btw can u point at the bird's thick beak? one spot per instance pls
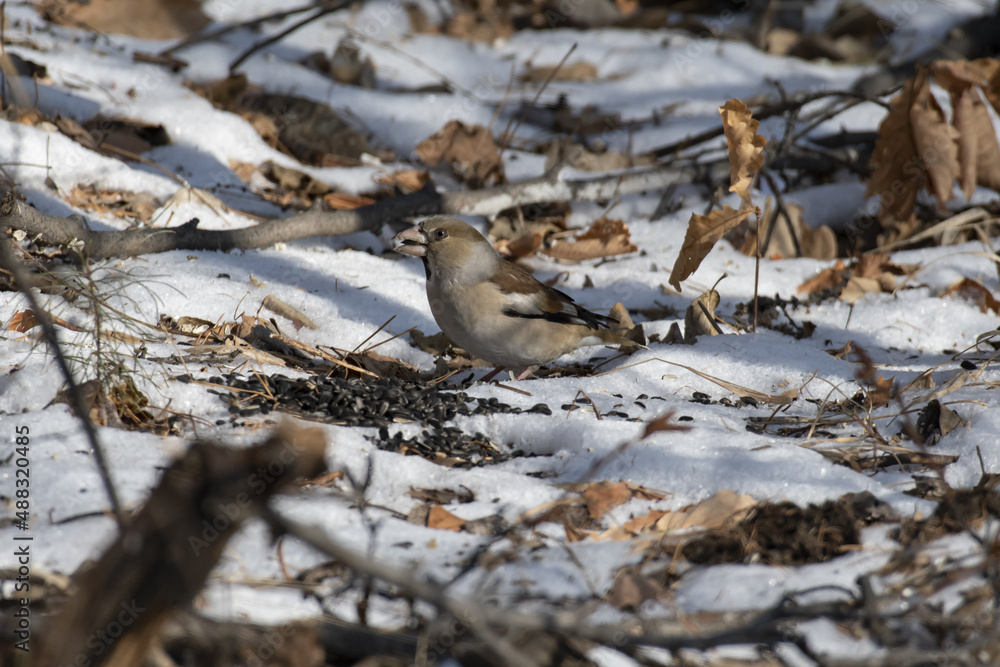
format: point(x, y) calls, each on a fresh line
point(410, 242)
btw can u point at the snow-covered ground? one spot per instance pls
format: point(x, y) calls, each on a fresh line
point(352, 285)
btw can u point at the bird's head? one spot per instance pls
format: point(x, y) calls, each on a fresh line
point(449, 247)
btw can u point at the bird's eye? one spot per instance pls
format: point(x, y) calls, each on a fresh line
point(440, 233)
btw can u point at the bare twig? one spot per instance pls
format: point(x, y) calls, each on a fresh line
point(508, 132)
point(320, 12)
point(253, 23)
point(764, 112)
point(23, 281)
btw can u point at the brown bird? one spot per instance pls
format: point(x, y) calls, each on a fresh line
point(494, 309)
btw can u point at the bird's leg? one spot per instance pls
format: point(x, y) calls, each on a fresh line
point(527, 371)
point(492, 374)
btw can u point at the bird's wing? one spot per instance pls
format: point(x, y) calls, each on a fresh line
point(526, 297)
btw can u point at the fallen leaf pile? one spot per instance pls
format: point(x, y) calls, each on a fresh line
point(469, 150)
point(138, 206)
point(309, 131)
point(921, 147)
point(293, 188)
point(867, 274)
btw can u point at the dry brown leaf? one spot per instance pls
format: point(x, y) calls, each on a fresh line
point(602, 497)
point(663, 423)
point(469, 150)
point(626, 328)
point(857, 287)
point(815, 243)
point(745, 147)
point(917, 148)
point(344, 202)
point(935, 141)
point(564, 152)
point(725, 508)
point(523, 246)
point(978, 149)
point(894, 151)
point(974, 292)
point(576, 534)
point(641, 523)
point(407, 180)
point(578, 71)
point(824, 280)
point(881, 394)
point(868, 274)
point(245, 171)
point(296, 180)
point(703, 232)
point(632, 589)
point(628, 7)
point(781, 41)
point(132, 205)
point(699, 319)
point(605, 237)
point(113, 136)
point(265, 126)
point(22, 321)
point(441, 519)
point(874, 265)
point(156, 19)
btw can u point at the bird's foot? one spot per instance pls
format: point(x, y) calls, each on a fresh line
point(492, 374)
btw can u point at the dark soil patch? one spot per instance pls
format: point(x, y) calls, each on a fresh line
point(785, 534)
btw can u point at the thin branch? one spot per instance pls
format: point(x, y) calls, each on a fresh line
point(508, 133)
point(764, 112)
point(321, 12)
point(23, 282)
point(253, 23)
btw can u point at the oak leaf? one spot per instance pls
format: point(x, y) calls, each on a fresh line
point(936, 143)
point(703, 232)
point(918, 148)
point(469, 150)
point(725, 508)
point(745, 146)
point(605, 237)
point(792, 236)
point(699, 319)
point(663, 423)
point(442, 519)
point(23, 321)
point(602, 497)
point(895, 151)
point(974, 292)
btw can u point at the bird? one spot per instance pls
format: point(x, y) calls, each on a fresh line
point(493, 308)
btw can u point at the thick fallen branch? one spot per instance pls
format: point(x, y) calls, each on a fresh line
point(15, 214)
point(163, 556)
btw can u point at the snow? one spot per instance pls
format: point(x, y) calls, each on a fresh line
point(352, 285)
